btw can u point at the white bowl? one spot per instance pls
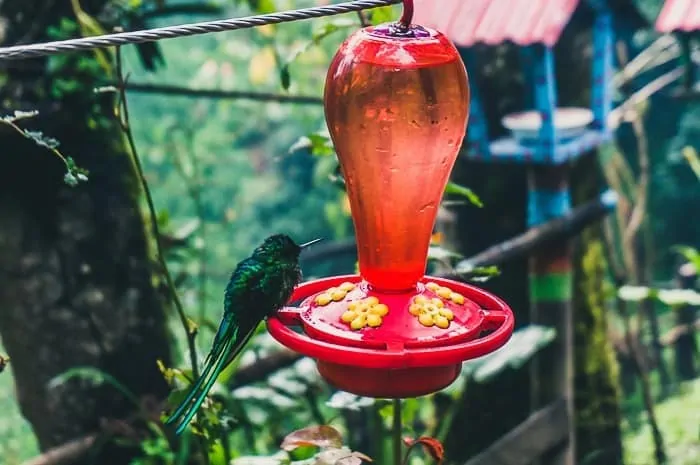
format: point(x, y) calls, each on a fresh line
point(568, 123)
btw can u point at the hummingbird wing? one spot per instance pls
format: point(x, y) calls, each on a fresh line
point(246, 290)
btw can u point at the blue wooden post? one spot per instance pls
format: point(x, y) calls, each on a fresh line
point(545, 99)
point(601, 92)
point(552, 373)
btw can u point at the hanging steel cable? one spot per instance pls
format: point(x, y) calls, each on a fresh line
point(169, 32)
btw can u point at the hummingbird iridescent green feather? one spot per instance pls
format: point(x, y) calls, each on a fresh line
point(259, 286)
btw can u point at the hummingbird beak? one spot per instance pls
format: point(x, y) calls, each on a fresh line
point(306, 244)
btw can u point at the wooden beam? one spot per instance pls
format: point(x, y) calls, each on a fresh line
point(541, 432)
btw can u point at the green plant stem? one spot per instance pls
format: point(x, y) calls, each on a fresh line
point(407, 455)
point(9, 123)
point(396, 431)
point(126, 128)
point(313, 406)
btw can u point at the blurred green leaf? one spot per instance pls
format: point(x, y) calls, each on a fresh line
point(674, 297)
point(322, 436)
point(383, 15)
point(342, 400)
point(340, 456)
point(265, 395)
point(635, 293)
point(263, 6)
point(456, 189)
point(280, 458)
point(479, 273)
point(442, 255)
point(522, 347)
point(689, 253)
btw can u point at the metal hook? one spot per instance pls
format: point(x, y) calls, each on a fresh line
point(407, 16)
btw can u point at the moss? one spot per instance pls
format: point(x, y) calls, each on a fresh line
point(597, 393)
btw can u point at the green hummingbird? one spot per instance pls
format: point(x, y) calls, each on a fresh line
point(259, 286)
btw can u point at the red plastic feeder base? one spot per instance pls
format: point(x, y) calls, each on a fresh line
point(392, 345)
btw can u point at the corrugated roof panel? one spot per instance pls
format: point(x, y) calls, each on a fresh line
point(679, 15)
point(523, 22)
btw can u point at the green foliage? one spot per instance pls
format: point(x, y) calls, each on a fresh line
point(679, 422)
point(74, 174)
point(691, 254)
point(17, 441)
point(525, 343)
point(670, 297)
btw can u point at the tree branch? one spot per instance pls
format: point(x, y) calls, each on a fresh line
point(520, 246)
point(167, 89)
point(558, 229)
point(260, 369)
point(65, 453)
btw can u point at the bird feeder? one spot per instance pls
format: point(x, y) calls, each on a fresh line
point(396, 102)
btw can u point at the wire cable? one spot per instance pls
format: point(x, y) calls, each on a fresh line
point(19, 52)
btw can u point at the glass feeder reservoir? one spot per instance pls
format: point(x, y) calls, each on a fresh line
point(396, 103)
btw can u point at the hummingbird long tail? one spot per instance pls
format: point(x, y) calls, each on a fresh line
point(225, 350)
point(182, 416)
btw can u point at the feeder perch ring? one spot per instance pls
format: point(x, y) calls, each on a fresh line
point(401, 358)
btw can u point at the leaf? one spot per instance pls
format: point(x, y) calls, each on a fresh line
point(689, 253)
point(673, 297)
point(276, 459)
point(283, 381)
point(441, 254)
point(171, 374)
point(285, 77)
point(323, 436)
point(465, 192)
point(19, 115)
point(634, 293)
point(305, 369)
point(96, 377)
point(321, 145)
point(382, 15)
point(264, 395)
point(431, 445)
point(340, 456)
point(342, 400)
point(523, 345)
point(262, 6)
point(192, 326)
point(478, 273)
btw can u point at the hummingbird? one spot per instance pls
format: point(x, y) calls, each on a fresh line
point(259, 286)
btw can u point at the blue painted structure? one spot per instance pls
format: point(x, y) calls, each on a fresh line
point(538, 61)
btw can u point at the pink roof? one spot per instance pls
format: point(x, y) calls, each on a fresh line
point(523, 22)
point(679, 15)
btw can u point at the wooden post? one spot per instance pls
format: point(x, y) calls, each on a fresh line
point(686, 346)
point(550, 294)
point(601, 93)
